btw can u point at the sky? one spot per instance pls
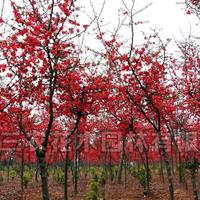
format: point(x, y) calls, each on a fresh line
point(167, 16)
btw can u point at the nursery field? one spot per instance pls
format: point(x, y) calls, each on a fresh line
point(129, 189)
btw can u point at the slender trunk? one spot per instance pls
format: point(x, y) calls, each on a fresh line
point(66, 170)
point(104, 163)
point(22, 171)
point(175, 156)
point(169, 177)
point(184, 180)
point(194, 184)
point(161, 168)
point(75, 165)
point(172, 155)
point(168, 167)
point(145, 162)
point(125, 171)
point(8, 168)
point(110, 167)
point(43, 175)
point(119, 176)
point(36, 172)
point(72, 172)
point(29, 158)
point(180, 173)
point(180, 169)
point(78, 161)
point(148, 174)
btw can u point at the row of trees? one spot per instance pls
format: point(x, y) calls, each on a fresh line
point(47, 89)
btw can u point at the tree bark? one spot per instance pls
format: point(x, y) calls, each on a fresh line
point(66, 170)
point(75, 165)
point(168, 168)
point(36, 172)
point(148, 174)
point(194, 184)
point(119, 176)
point(43, 175)
point(161, 168)
point(110, 166)
point(125, 171)
point(22, 170)
point(8, 168)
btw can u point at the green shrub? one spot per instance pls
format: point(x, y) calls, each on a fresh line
point(13, 174)
point(51, 171)
point(102, 178)
point(94, 186)
point(28, 175)
point(95, 173)
point(96, 179)
point(140, 174)
point(159, 170)
point(92, 193)
point(193, 164)
point(182, 171)
point(84, 171)
point(31, 173)
point(26, 180)
point(132, 170)
point(59, 176)
point(115, 171)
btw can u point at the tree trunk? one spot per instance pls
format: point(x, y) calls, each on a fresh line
point(176, 159)
point(29, 158)
point(72, 172)
point(36, 172)
point(75, 165)
point(161, 168)
point(43, 175)
point(8, 168)
point(22, 170)
point(180, 173)
point(125, 171)
point(110, 166)
point(145, 162)
point(148, 174)
point(66, 170)
point(168, 168)
point(104, 163)
point(172, 155)
point(194, 184)
point(119, 176)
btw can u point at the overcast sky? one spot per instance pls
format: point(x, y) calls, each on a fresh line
point(162, 14)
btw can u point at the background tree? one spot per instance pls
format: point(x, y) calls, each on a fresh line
point(35, 53)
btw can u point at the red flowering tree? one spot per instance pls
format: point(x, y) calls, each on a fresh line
point(80, 97)
point(36, 52)
point(189, 98)
point(141, 75)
